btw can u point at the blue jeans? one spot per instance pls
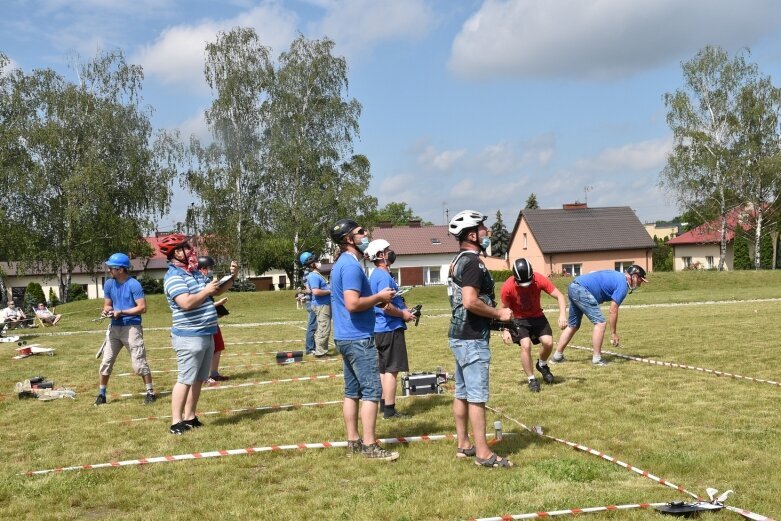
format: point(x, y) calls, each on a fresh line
point(361, 369)
point(581, 302)
point(473, 359)
point(311, 328)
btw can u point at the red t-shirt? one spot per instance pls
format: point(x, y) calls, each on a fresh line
point(525, 302)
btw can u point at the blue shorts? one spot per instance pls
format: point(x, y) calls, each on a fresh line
point(473, 358)
point(581, 302)
point(193, 357)
point(361, 369)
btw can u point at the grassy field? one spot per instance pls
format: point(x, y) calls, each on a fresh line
point(693, 429)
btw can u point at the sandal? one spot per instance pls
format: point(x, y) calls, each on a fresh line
point(493, 462)
point(466, 453)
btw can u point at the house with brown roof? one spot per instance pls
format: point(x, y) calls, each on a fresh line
point(576, 239)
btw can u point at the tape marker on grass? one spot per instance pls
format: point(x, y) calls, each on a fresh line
point(572, 512)
point(224, 355)
point(246, 384)
point(236, 452)
point(238, 343)
point(681, 366)
point(160, 371)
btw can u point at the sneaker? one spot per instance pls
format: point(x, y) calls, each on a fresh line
point(547, 376)
point(149, 398)
point(178, 428)
point(599, 362)
point(211, 382)
point(557, 360)
point(534, 385)
point(354, 447)
point(375, 452)
point(193, 424)
point(219, 378)
point(396, 415)
point(100, 400)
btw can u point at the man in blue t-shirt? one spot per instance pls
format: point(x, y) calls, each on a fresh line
point(320, 292)
point(124, 302)
point(352, 305)
point(586, 293)
point(389, 326)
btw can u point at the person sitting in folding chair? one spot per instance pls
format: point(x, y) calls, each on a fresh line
point(46, 317)
point(13, 316)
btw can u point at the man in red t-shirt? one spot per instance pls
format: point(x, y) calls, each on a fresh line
point(521, 293)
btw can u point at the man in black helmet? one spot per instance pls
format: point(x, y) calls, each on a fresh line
point(352, 308)
point(521, 293)
point(586, 293)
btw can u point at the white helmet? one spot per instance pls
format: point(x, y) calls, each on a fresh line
point(375, 247)
point(464, 221)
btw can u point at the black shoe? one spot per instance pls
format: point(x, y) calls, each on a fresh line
point(178, 428)
point(546, 374)
point(100, 400)
point(193, 424)
point(395, 415)
point(149, 398)
point(534, 385)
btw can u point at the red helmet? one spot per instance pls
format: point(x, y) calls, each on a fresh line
point(169, 243)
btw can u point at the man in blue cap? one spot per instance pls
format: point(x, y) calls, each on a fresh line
point(124, 303)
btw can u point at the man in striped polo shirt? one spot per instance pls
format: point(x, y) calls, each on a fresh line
point(189, 296)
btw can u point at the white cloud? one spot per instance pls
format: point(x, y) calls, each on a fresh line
point(177, 56)
point(356, 26)
point(604, 39)
point(632, 157)
point(10, 66)
point(432, 159)
point(195, 126)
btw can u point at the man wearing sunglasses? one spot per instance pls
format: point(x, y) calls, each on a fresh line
point(352, 307)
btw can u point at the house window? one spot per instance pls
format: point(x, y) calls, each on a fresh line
point(525, 242)
point(433, 275)
point(687, 262)
point(573, 270)
point(623, 265)
point(395, 274)
point(709, 262)
point(436, 241)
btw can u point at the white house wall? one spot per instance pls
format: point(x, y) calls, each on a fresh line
point(698, 253)
point(440, 261)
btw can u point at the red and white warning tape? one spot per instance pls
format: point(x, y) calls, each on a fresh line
point(246, 384)
point(160, 371)
point(681, 366)
point(229, 354)
point(239, 343)
point(235, 452)
point(538, 431)
point(571, 511)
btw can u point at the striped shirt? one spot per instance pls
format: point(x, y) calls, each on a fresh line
point(201, 321)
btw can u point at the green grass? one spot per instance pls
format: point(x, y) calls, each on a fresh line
point(694, 429)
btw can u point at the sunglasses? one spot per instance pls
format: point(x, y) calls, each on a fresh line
point(359, 231)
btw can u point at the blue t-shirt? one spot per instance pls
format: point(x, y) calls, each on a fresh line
point(316, 281)
point(605, 285)
point(124, 296)
point(347, 274)
point(201, 321)
point(378, 281)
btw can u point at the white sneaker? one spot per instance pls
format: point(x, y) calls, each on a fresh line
point(555, 360)
point(598, 362)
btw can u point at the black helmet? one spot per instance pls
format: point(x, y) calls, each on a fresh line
point(342, 229)
point(523, 272)
point(204, 261)
point(634, 269)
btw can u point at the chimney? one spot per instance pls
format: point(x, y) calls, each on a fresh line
point(385, 224)
point(575, 206)
point(414, 223)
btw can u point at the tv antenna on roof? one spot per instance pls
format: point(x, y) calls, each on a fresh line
point(586, 190)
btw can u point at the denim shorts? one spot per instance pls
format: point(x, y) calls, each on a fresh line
point(473, 358)
point(361, 369)
point(581, 302)
point(193, 357)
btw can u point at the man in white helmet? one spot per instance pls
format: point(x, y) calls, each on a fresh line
point(472, 299)
point(389, 326)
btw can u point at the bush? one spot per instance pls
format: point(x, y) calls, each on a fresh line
point(500, 276)
point(151, 286)
point(243, 285)
point(32, 296)
point(76, 292)
point(54, 301)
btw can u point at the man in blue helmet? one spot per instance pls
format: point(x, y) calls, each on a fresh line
point(320, 291)
point(307, 259)
point(124, 303)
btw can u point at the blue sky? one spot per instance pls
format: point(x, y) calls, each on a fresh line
point(466, 103)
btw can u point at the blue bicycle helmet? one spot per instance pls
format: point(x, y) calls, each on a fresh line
point(306, 258)
point(118, 260)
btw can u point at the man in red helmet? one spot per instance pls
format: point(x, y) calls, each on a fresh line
point(521, 293)
point(189, 296)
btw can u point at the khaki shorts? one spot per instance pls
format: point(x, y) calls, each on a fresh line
point(131, 337)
